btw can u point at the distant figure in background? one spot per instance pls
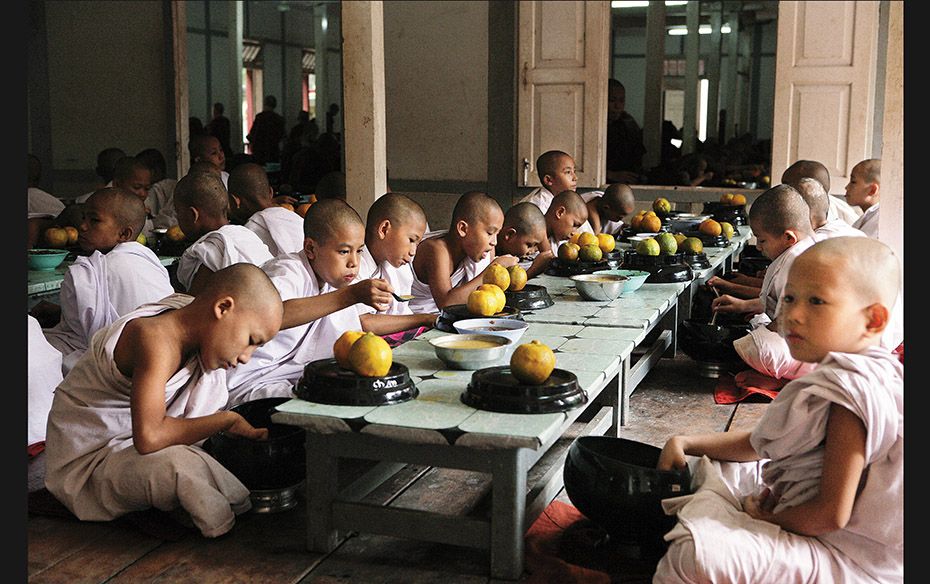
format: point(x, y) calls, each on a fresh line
point(40, 203)
point(206, 148)
point(266, 133)
point(195, 126)
point(864, 191)
point(219, 127)
point(624, 138)
point(331, 114)
point(106, 163)
point(313, 161)
point(303, 134)
point(332, 186)
point(160, 201)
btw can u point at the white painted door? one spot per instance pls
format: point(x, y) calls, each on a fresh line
point(825, 85)
point(562, 86)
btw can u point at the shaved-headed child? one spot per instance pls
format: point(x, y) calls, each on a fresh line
point(839, 208)
point(201, 205)
point(134, 175)
point(556, 172)
point(322, 300)
point(280, 228)
point(864, 191)
point(207, 148)
point(821, 495)
point(606, 211)
point(449, 266)
point(114, 276)
point(126, 425)
point(394, 229)
point(816, 197)
point(523, 232)
point(565, 216)
point(161, 194)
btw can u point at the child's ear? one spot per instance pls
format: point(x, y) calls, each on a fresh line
point(878, 318)
point(222, 306)
point(547, 180)
point(461, 227)
point(791, 237)
point(310, 247)
point(195, 213)
point(126, 234)
point(234, 201)
point(560, 212)
point(383, 228)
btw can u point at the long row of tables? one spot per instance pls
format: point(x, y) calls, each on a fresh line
point(610, 346)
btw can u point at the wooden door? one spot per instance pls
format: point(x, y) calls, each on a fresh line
point(562, 86)
point(825, 85)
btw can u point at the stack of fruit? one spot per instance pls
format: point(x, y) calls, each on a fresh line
point(586, 247)
point(733, 199)
point(60, 237)
point(646, 222)
point(489, 299)
point(366, 354)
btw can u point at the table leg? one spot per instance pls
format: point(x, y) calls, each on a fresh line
point(508, 512)
point(617, 400)
point(671, 324)
point(625, 388)
point(322, 487)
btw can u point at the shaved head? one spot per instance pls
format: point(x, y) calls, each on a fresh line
point(572, 202)
point(199, 144)
point(398, 209)
point(870, 267)
point(808, 169)
point(126, 207)
point(248, 285)
point(548, 162)
point(204, 167)
point(203, 191)
point(779, 209)
point(249, 182)
point(328, 218)
point(126, 167)
point(620, 197)
point(474, 207)
point(815, 196)
point(871, 170)
point(525, 218)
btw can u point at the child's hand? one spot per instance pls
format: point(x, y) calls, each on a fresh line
point(241, 427)
point(672, 456)
point(506, 260)
point(720, 283)
point(760, 506)
point(542, 260)
point(374, 292)
point(727, 304)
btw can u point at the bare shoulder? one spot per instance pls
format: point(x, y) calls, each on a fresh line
point(432, 258)
point(152, 343)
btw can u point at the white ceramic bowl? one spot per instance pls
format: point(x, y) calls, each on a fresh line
point(502, 327)
point(450, 351)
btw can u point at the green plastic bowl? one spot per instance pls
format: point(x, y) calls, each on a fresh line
point(46, 259)
point(634, 278)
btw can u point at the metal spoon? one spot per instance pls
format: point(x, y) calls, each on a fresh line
point(404, 298)
point(713, 319)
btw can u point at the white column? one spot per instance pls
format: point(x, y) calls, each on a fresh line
point(181, 92)
point(891, 218)
point(234, 109)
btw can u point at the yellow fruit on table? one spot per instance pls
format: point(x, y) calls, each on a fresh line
point(691, 245)
point(606, 242)
point(710, 227)
point(738, 199)
point(727, 198)
point(482, 303)
point(142, 239)
point(371, 356)
point(590, 253)
point(727, 230)
point(587, 238)
point(496, 274)
point(343, 344)
point(72, 234)
point(517, 278)
point(56, 237)
point(532, 363)
point(301, 209)
point(661, 205)
point(650, 224)
point(679, 237)
point(174, 233)
point(667, 243)
point(648, 247)
point(568, 251)
point(498, 295)
point(574, 237)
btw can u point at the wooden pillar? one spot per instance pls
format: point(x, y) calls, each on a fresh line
point(363, 99)
point(712, 72)
point(655, 57)
point(181, 87)
point(891, 218)
point(234, 109)
point(732, 76)
point(692, 55)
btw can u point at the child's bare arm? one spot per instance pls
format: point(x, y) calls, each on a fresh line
point(733, 288)
point(373, 292)
point(540, 263)
point(731, 304)
point(729, 446)
point(385, 324)
point(843, 463)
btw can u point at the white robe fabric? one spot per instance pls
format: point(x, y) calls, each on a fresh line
point(93, 467)
point(160, 203)
point(836, 228)
point(99, 288)
point(868, 222)
point(611, 227)
point(44, 376)
point(277, 366)
point(840, 209)
point(223, 247)
point(715, 541)
point(542, 198)
point(401, 279)
point(423, 301)
point(282, 230)
point(42, 204)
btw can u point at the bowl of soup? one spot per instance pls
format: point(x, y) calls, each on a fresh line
point(472, 351)
point(499, 327)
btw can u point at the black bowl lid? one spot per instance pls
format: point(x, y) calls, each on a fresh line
point(710, 240)
point(456, 312)
point(531, 297)
point(697, 261)
point(496, 389)
point(325, 382)
point(670, 274)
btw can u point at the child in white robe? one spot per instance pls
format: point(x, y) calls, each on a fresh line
point(821, 495)
point(280, 228)
point(320, 303)
point(44, 376)
point(201, 204)
point(838, 208)
point(566, 215)
point(448, 267)
point(117, 276)
point(556, 172)
point(127, 424)
point(523, 232)
point(864, 191)
point(607, 208)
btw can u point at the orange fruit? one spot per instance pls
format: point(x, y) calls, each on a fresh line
point(636, 220)
point(498, 293)
point(574, 237)
point(568, 251)
point(661, 205)
point(590, 253)
point(710, 227)
point(606, 242)
point(301, 209)
point(371, 356)
point(174, 233)
point(56, 237)
point(342, 346)
point(532, 363)
point(727, 198)
point(738, 199)
point(679, 237)
point(650, 224)
point(586, 238)
point(727, 230)
point(482, 303)
point(498, 275)
point(72, 234)
point(517, 278)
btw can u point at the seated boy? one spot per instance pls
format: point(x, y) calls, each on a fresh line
point(116, 276)
point(126, 425)
point(134, 176)
point(43, 376)
point(161, 194)
point(815, 492)
point(206, 148)
point(449, 266)
point(201, 204)
point(606, 211)
point(320, 303)
point(816, 197)
point(280, 228)
point(39, 203)
point(863, 191)
point(106, 162)
point(523, 231)
point(556, 171)
point(565, 216)
point(838, 207)
point(394, 228)
point(780, 220)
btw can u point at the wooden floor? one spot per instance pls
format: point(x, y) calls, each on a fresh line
point(270, 548)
